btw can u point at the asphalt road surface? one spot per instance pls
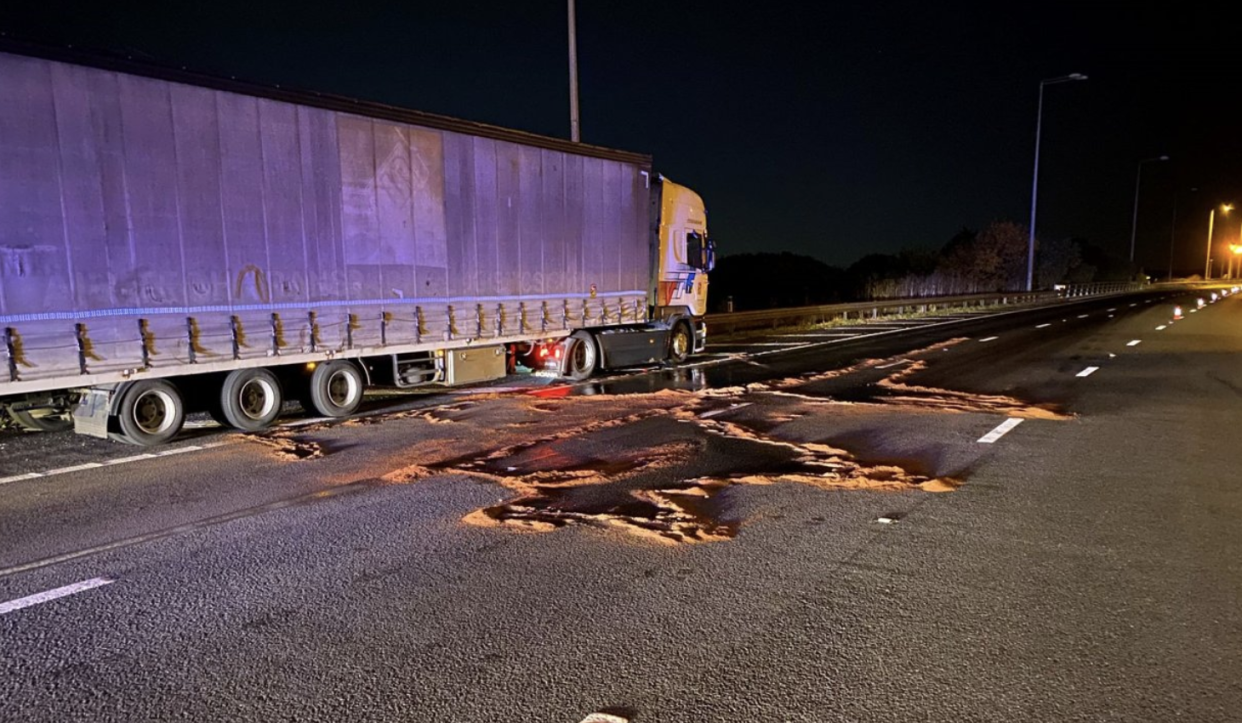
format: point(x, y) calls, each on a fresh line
point(1031, 516)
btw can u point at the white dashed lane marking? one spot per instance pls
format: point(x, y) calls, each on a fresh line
point(1000, 431)
point(49, 595)
point(1043, 326)
point(1162, 327)
point(1136, 342)
point(1088, 371)
point(990, 338)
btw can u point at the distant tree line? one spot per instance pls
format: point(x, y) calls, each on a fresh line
point(989, 260)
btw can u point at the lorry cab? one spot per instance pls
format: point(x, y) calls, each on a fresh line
point(684, 252)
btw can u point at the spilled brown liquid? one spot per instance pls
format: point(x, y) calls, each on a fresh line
point(661, 493)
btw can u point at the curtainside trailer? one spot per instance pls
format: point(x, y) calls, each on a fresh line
point(172, 243)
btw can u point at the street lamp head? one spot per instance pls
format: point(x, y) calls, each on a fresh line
point(1163, 158)
point(1076, 76)
point(1227, 207)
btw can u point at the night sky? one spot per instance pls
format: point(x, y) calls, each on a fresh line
point(838, 131)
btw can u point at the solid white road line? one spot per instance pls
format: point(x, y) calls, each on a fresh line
point(893, 364)
point(50, 595)
point(114, 462)
point(1043, 326)
point(1088, 371)
point(20, 477)
point(1136, 342)
point(126, 460)
point(74, 468)
point(1000, 430)
point(990, 338)
point(729, 408)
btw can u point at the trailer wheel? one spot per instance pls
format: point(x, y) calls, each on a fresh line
point(334, 389)
point(250, 399)
point(581, 356)
point(42, 420)
point(150, 412)
point(680, 342)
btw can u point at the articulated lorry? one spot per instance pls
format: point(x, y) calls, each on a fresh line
point(172, 243)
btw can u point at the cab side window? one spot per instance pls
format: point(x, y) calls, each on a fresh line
point(696, 251)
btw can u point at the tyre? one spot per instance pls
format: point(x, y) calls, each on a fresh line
point(334, 389)
point(581, 356)
point(42, 420)
point(150, 412)
point(250, 399)
point(680, 343)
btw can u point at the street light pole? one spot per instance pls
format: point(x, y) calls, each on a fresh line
point(1138, 180)
point(573, 75)
point(1207, 264)
point(1039, 119)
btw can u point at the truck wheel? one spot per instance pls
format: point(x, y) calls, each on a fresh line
point(581, 356)
point(150, 412)
point(680, 343)
point(250, 399)
point(334, 389)
point(42, 420)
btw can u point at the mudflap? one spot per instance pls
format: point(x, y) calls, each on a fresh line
point(90, 417)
